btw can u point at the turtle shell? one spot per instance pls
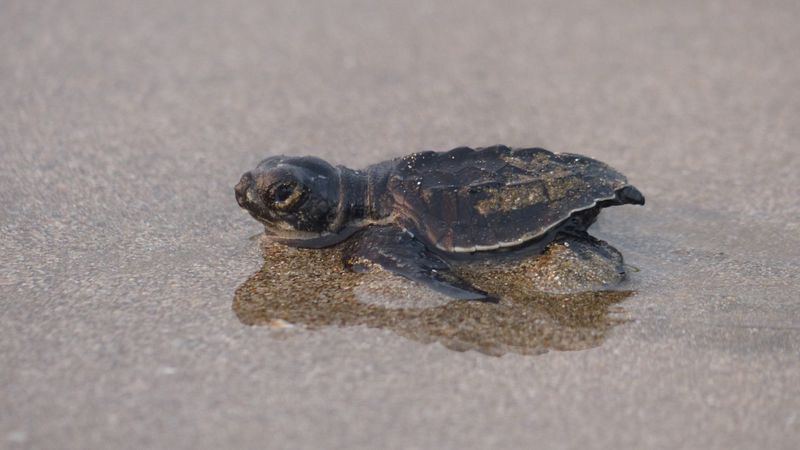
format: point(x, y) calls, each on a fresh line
point(467, 200)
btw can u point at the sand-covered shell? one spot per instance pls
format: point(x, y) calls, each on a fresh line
point(468, 200)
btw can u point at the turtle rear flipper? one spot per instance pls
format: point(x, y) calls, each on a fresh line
point(630, 195)
point(398, 252)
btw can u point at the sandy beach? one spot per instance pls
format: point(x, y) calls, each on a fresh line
point(125, 125)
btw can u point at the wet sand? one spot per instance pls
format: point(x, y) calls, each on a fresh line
point(313, 288)
point(123, 129)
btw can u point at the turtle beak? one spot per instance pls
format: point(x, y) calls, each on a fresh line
point(241, 189)
point(247, 198)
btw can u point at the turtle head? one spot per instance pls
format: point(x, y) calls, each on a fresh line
point(296, 198)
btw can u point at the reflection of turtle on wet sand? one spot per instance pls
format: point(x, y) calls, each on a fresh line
point(418, 215)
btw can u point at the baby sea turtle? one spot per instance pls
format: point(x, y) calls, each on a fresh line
point(418, 214)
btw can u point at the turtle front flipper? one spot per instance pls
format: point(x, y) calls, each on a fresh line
point(398, 252)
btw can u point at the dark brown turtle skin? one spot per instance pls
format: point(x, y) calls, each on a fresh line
point(415, 215)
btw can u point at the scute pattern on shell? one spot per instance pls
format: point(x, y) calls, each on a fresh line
point(478, 199)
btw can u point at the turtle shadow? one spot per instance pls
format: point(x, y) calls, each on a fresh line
point(313, 289)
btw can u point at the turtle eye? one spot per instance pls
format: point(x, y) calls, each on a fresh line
point(285, 195)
